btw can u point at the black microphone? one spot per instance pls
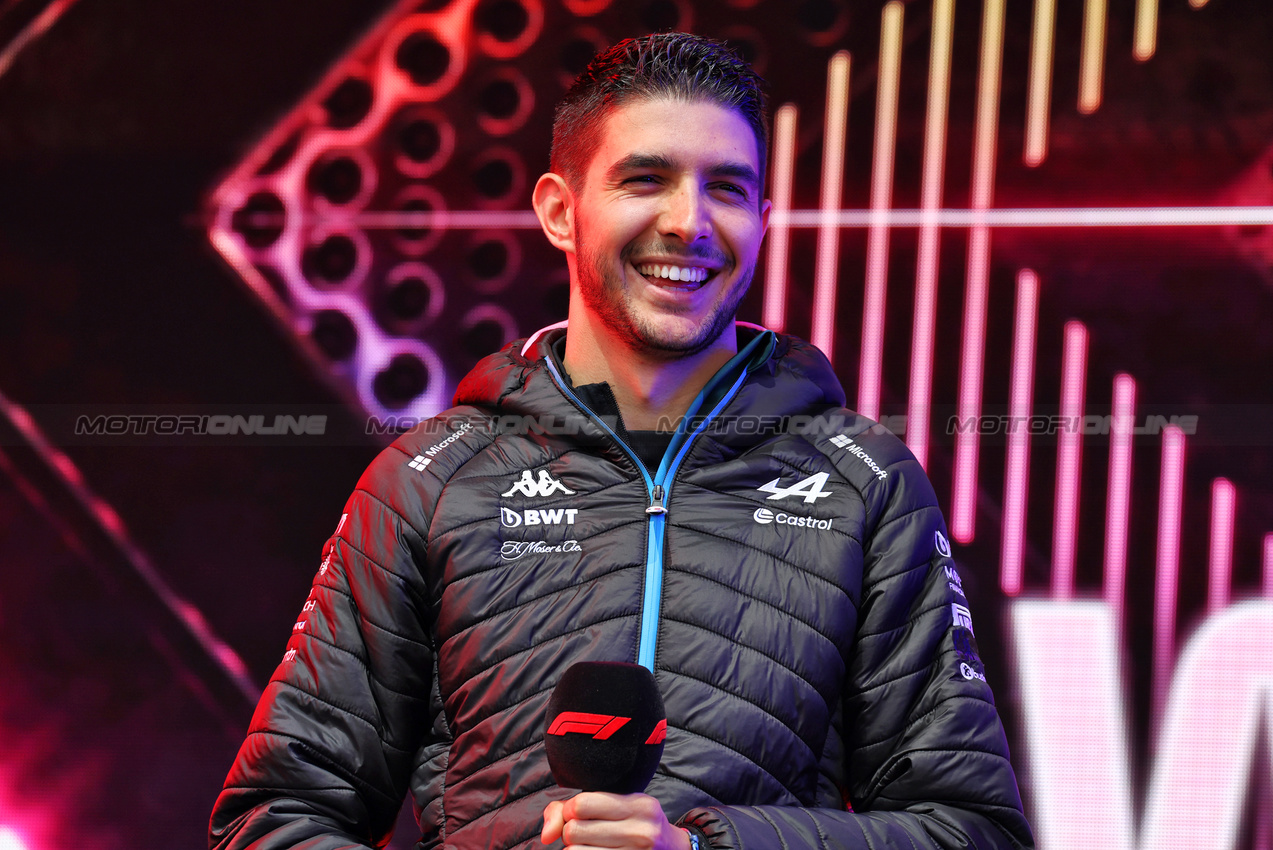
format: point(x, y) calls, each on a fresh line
point(605, 726)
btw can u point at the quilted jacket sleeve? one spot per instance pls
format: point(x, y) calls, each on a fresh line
point(343, 721)
point(927, 759)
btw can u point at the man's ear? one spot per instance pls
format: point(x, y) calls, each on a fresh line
point(555, 206)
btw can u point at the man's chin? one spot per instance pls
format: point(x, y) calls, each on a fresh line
point(672, 343)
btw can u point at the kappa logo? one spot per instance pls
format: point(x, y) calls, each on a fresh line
point(546, 485)
point(809, 488)
point(537, 516)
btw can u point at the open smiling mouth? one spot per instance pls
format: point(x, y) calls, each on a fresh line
point(682, 277)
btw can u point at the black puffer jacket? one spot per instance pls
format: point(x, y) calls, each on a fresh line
point(796, 600)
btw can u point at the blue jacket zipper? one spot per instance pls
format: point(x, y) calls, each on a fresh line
point(658, 491)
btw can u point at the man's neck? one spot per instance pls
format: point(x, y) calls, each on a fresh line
point(653, 392)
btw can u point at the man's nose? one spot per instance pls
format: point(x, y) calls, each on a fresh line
point(687, 215)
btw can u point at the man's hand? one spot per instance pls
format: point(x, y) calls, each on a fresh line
point(596, 819)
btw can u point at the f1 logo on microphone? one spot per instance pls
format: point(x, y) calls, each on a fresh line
point(600, 726)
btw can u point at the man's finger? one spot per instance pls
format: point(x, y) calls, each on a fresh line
point(554, 820)
point(599, 805)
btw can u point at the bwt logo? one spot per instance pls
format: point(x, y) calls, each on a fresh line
point(600, 726)
point(537, 516)
point(1074, 707)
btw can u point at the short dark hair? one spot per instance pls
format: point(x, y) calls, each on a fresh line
point(663, 65)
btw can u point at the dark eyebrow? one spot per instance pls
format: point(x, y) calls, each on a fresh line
point(639, 162)
point(740, 171)
point(657, 162)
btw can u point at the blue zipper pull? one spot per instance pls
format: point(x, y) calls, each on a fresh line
point(658, 501)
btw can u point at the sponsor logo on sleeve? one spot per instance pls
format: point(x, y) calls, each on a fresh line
point(969, 672)
point(543, 486)
point(953, 580)
point(961, 615)
point(461, 430)
point(420, 461)
point(846, 443)
point(942, 544)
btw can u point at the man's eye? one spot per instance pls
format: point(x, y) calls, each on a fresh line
point(732, 189)
point(641, 178)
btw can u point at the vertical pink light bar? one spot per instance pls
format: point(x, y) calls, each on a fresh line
point(919, 401)
point(1118, 501)
point(1167, 573)
point(826, 269)
point(774, 314)
point(1069, 460)
point(871, 366)
point(1268, 566)
point(1092, 58)
point(1220, 555)
point(1039, 87)
point(972, 356)
point(1016, 484)
point(1145, 40)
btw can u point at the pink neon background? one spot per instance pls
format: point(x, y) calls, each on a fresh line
point(1173, 550)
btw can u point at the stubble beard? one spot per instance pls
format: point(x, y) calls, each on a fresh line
point(607, 295)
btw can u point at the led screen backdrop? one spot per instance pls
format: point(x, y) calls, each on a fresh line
point(1032, 235)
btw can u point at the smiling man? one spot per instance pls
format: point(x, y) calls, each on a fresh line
point(708, 509)
point(661, 232)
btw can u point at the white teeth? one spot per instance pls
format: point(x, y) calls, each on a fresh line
point(689, 274)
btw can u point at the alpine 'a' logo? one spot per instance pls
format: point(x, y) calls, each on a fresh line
point(545, 486)
point(810, 488)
